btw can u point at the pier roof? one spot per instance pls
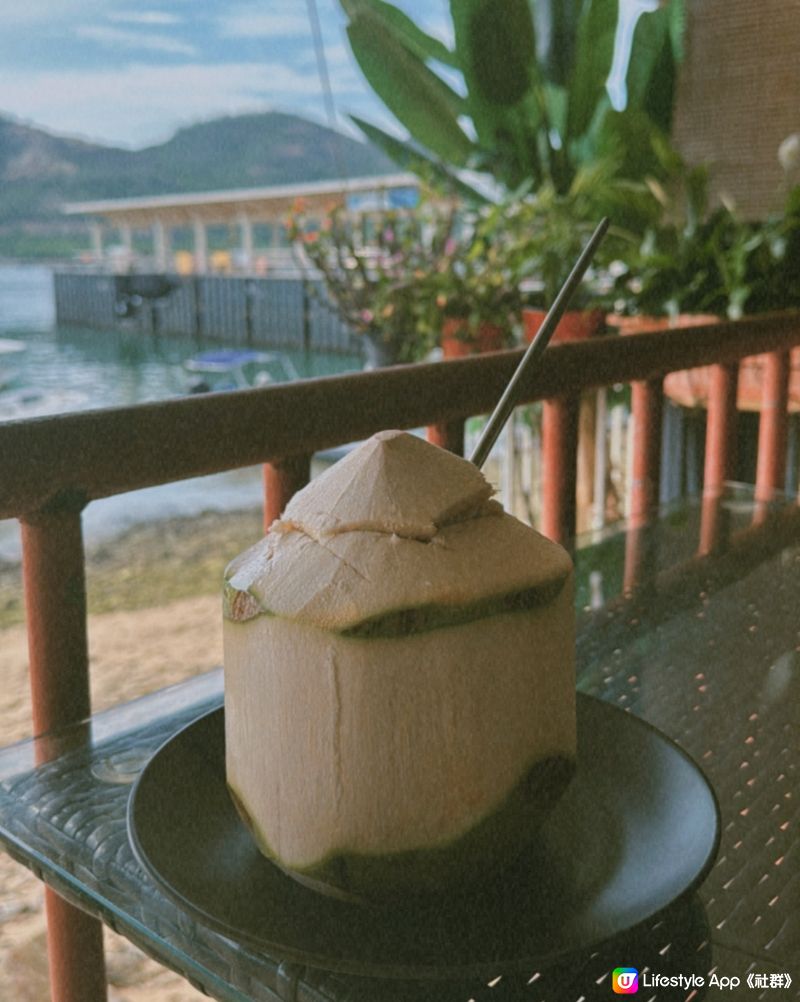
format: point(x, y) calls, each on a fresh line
point(268, 203)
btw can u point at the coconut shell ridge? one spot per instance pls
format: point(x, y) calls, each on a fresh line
point(394, 482)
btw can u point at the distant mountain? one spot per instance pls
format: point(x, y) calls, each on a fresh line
point(40, 171)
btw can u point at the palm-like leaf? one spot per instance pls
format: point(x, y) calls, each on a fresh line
point(594, 51)
point(652, 74)
point(495, 99)
point(556, 23)
point(418, 98)
point(404, 30)
point(410, 157)
point(534, 78)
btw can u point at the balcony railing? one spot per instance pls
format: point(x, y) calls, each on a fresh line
point(53, 467)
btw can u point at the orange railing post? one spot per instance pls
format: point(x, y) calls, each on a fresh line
point(647, 408)
point(560, 465)
point(282, 479)
point(647, 405)
point(773, 427)
point(447, 435)
point(55, 600)
point(720, 457)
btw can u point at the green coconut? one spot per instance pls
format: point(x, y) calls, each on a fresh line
point(399, 676)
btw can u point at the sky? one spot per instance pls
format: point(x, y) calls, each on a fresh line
point(130, 72)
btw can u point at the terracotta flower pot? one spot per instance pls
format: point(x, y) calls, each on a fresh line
point(457, 342)
point(575, 325)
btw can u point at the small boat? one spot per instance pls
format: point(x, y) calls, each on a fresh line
point(11, 353)
point(237, 369)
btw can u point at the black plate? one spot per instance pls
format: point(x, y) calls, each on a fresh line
point(637, 829)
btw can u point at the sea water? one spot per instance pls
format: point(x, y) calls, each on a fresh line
point(67, 369)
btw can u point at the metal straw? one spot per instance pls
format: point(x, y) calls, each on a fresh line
point(508, 401)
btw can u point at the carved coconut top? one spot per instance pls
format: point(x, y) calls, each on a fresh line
point(399, 525)
point(394, 483)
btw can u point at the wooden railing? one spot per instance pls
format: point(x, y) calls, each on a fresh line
point(53, 467)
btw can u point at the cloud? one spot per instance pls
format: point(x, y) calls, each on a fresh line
point(66, 12)
point(337, 56)
point(145, 17)
point(50, 11)
point(283, 20)
point(139, 104)
point(120, 38)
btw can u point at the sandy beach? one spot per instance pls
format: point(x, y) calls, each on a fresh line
point(154, 620)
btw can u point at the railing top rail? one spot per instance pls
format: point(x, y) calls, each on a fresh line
point(75, 458)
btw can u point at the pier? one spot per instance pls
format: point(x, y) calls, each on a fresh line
point(273, 312)
point(216, 265)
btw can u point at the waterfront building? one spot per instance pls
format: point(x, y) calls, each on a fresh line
point(252, 221)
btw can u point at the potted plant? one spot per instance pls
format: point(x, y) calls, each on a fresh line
point(436, 276)
point(376, 278)
point(549, 230)
point(679, 268)
point(474, 284)
point(697, 266)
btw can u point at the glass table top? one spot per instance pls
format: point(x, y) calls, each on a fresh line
point(705, 648)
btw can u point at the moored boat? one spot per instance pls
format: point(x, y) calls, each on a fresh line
point(237, 369)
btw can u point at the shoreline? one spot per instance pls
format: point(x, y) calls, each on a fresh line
point(150, 563)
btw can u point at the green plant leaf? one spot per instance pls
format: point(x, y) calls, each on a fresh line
point(506, 133)
point(556, 101)
point(404, 30)
point(630, 139)
point(556, 29)
point(500, 50)
point(408, 157)
point(696, 185)
point(677, 27)
point(418, 98)
point(652, 73)
point(594, 51)
point(534, 78)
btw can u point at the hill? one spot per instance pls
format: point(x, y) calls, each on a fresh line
point(39, 171)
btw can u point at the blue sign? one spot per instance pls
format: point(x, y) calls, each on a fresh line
point(382, 199)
